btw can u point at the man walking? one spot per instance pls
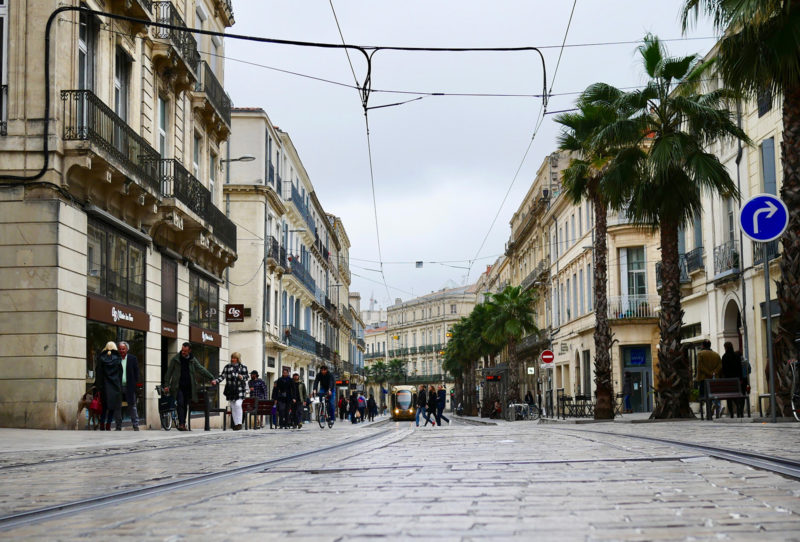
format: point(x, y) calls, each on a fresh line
point(709, 365)
point(285, 396)
point(422, 403)
point(130, 378)
point(258, 390)
point(181, 380)
point(302, 398)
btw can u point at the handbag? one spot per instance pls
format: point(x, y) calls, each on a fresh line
point(230, 390)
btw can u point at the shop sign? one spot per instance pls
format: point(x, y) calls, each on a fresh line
point(234, 313)
point(168, 329)
point(204, 336)
point(102, 310)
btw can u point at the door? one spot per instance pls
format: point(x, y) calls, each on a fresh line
point(640, 390)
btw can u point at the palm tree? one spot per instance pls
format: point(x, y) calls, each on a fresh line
point(396, 371)
point(510, 317)
point(588, 177)
point(758, 56)
point(665, 132)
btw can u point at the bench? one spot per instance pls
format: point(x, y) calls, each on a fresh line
point(264, 408)
point(204, 406)
point(722, 388)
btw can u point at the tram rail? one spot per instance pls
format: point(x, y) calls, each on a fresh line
point(20, 519)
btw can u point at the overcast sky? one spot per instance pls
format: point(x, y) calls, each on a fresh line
point(442, 165)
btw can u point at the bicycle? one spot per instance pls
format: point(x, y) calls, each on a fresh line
point(167, 411)
point(534, 413)
point(323, 412)
point(795, 398)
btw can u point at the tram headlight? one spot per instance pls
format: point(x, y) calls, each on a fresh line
point(397, 411)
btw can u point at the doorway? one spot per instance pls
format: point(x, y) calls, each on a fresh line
point(637, 370)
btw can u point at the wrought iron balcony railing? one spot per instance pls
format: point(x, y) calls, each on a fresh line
point(298, 338)
point(534, 340)
point(87, 118)
point(223, 227)
point(178, 183)
point(684, 269)
point(726, 259)
point(694, 259)
point(622, 307)
point(207, 82)
point(765, 250)
point(182, 40)
point(298, 202)
point(301, 273)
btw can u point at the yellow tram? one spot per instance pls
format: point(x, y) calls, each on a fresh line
point(403, 402)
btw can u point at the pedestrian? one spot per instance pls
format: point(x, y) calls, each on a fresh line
point(181, 381)
point(362, 407)
point(108, 380)
point(441, 401)
point(302, 397)
point(258, 390)
point(431, 406)
point(235, 376)
point(372, 407)
point(422, 403)
point(529, 397)
point(627, 390)
point(284, 394)
point(709, 365)
point(130, 378)
point(353, 403)
point(732, 368)
point(342, 408)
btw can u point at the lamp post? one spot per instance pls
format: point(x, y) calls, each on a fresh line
point(242, 158)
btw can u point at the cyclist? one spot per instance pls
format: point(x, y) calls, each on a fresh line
point(324, 380)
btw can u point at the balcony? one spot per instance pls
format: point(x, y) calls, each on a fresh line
point(212, 101)
point(178, 183)
point(539, 271)
point(344, 270)
point(694, 260)
point(535, 341)
point(297, 270)
point(684, 269)
point(323, 351)
point(428, 379)
point(300, 205)
point(361, 344)
point(298, 338)
point(629, 307)
point(174, 51)
point(765, 250)
point(225, 9)
point(374, 355)
point(726, 261)
point(87, 118)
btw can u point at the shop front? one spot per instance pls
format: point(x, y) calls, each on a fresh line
point(637, 376)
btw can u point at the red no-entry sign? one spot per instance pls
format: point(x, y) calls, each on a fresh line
point(548, 356)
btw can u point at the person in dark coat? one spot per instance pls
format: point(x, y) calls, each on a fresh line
point(431, 406)
point(108, 380)
point(353, 404)
point(372, 407)
point(285, 395)
point(130, 378)
point(732, 368)
point(422, 403)
point(181, 381)
point(441, 401)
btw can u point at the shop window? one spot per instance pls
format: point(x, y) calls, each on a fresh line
point(169, 290)
point(208, 356)
point(116, 266)
point(204, 303)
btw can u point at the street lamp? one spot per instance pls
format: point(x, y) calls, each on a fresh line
point(242, 158)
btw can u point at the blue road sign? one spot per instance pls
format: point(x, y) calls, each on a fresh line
point(763, 218)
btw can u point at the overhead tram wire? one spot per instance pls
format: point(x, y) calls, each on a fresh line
point(542, 113)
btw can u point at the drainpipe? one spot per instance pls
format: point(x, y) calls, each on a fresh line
point(739, 149)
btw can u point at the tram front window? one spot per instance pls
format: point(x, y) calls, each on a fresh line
point(404, 399)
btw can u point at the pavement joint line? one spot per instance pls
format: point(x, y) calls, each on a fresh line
point(13, 521)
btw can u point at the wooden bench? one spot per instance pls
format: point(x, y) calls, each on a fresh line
point(200, 406)
point(721, 388)
point(264, 408)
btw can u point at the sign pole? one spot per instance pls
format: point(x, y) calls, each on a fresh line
point(770, 359)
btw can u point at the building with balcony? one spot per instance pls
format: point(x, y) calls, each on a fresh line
point(123, 237)
point(419, 329)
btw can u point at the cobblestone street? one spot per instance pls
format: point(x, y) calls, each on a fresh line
point(461, 482)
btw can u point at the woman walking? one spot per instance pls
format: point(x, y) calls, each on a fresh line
point(108, 380)
point(441, 401)
point(353, 403)
point(422, 403)
point(236, 376)
point(372, 407)
point(431, 406)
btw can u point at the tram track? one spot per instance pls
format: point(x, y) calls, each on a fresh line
point(779, 465)
point(20, 519)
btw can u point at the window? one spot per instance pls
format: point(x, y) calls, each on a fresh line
point(162, 127)
point(87, 34)
point(122, 69)
point(267, 301)
point(198, 143)
point(575, 296)
point(580, 223)
point(730, 219)
point(212, 176)
point(203, 302)
point(452, 309)
point(697, 226)
point(637, 285)
point(768, 166)
point(572, 227)
point(589, 287)
point(116, 265)
point(582, 292)
point(169, 290)
point(764, 102)
point(569, 311)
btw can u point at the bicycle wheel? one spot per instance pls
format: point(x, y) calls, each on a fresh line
point(796, 391)
point(331, 419)
point(321, 415)
point(166, 420)
point(534, 413)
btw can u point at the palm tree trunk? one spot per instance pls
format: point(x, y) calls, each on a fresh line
point(673, 381)
point(513, 373)
point(603, 375)
point(789, 285)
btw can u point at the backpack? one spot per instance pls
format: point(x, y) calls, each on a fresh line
point(96, 405)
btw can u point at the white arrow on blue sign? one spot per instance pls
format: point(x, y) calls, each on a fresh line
point(763, 218)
